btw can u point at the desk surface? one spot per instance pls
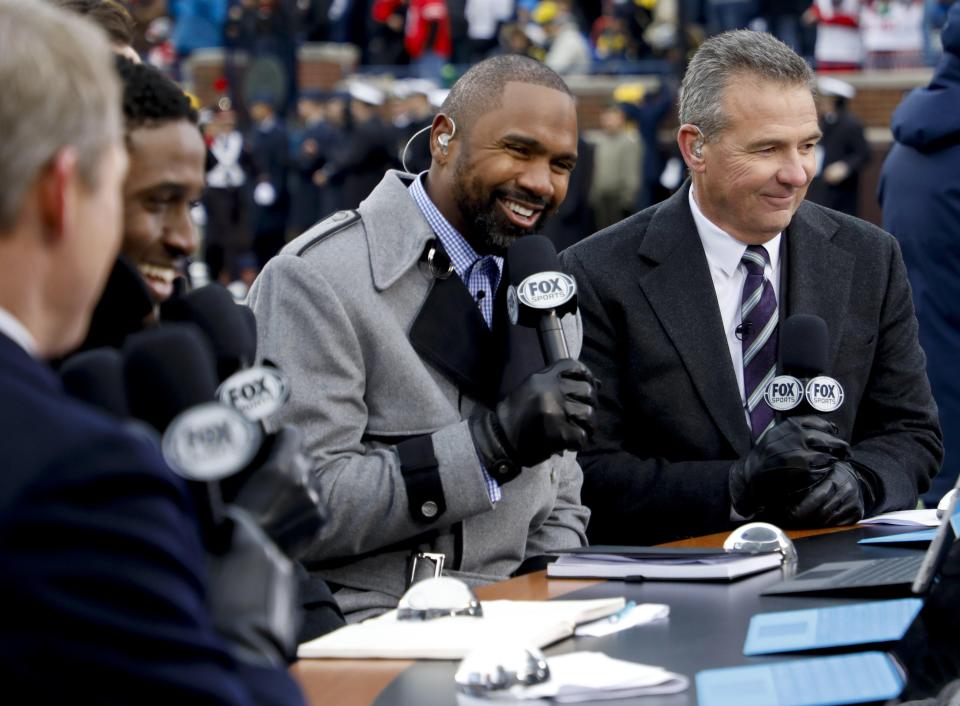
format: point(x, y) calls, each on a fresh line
point(360, 682)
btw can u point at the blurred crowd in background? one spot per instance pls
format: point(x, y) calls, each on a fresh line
point(283, 157)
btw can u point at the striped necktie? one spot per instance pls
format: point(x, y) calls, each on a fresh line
point(759, 315)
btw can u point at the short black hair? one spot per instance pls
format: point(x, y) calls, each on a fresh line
point(150, 98)
point(481, 88)
point(112, 17)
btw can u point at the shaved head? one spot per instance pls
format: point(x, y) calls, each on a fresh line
point(481, 88)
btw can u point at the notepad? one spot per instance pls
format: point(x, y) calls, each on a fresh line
point(836, 626)
point(659, 563)
point(918, 537)
point(535, 623)
point(816, 681)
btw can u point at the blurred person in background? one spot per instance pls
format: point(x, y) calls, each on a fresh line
point(484, 19)
point(386, 40)
point(312, 145)
point(838, 46)
point(568, 50)
point(368, 148)
point(226, 197)
point(412, 119)
point(647, 109)
point(616, 167)
point(197, 24)
point(842, 153)
point(105, 573)
point(725, 15)
point(269, 156)
point(919, 192)
point(892, 33)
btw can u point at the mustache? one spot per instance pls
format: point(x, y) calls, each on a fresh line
point(521, 195)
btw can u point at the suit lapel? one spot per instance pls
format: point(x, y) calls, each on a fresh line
point(818, 272)
point(678, 286)
point(449, 332)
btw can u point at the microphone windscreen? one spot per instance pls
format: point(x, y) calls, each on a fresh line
point(804, 346)
point(228, 325)
point(167, 370)
point(529, 255)
point(96, 377)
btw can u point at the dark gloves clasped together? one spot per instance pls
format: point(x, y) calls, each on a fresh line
point(549, 412)
point(800, 474)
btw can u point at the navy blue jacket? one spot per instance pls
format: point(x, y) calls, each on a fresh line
point(920, 195)
point(102, 586)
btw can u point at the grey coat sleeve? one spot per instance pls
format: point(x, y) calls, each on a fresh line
point(305, 330)
point(567, 524)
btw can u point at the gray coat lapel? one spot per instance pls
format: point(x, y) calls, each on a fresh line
point(401, 230)
point(678, 286)
point(818, 272)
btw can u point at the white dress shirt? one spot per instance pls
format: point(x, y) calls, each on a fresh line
point(11, 327)
point(724, 253)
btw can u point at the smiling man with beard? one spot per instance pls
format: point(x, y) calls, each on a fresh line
point(391, 323)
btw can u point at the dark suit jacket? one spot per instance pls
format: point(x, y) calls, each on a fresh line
point(103, 582)
point(670, 417)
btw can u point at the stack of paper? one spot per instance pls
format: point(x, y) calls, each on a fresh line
point(660, 563)
point(535, 623)
point(905, 518)
point(592, 676)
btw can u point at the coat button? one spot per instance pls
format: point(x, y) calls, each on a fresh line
point(429, 509)
point(553, 475)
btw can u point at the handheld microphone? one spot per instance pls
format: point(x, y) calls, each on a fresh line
point(540, 293)
point(802, 388)
point(96, 377)
point(230, 327)
point(170, 377)
point(256, 391)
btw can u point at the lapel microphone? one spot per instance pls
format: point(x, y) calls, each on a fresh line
point(743, 329)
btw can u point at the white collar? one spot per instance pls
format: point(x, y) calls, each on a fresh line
point(11, 327)
point(721, 248)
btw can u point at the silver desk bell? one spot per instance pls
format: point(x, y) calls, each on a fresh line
point(492, 671)
point(760, 538)
point(438, 597)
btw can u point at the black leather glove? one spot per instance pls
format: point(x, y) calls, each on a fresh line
point(837, 499)
point(275, 489)
point(549, 412)
point(253, 595)
point(792, 456)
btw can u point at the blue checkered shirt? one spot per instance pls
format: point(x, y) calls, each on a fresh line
point(480, 274)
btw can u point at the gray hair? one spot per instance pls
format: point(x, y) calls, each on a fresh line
point(726, 56)
point(59, 89)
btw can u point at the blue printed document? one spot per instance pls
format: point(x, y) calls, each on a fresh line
point(903, 538)
point(817, 681)
point(836, 626)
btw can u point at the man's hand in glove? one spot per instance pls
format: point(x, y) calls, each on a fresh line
point(551, 411)
point(792, 456)
point(836, 500)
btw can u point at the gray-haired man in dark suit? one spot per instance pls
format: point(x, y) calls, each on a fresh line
point(687, 444)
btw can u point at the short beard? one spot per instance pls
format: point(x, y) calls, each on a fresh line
point(488, 231)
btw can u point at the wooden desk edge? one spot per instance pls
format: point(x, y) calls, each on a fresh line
point(359, 682)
